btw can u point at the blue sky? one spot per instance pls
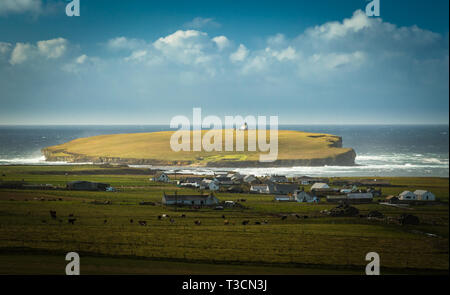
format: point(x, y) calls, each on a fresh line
point(143, 62)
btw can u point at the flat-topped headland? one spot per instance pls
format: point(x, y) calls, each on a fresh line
point(295, 148)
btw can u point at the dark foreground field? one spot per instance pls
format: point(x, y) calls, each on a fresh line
point(31, 242)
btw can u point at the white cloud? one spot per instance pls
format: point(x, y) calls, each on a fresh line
point(331, 30)
point(20, 6)
point(21, 52)
point(121, 43)
point(52, 49)
point(186, 47)
point(81, 59)
point(5, 48)
point(240, 54)
point(222, 42)
point(288, 53)
point(138, 55)
point(200, 22)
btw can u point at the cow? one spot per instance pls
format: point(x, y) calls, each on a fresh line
point(72, 220)
point(296, 215)
point(142, 222)
point(53, 214)
point(105, 221)
point(159, 217)
point(245, 222)
point(131, 220)
point(172, 220)
point(257, 223)
point(284, 217)
point(226, 222)
point(223, 216)
point(183, 215)
point(197, 222)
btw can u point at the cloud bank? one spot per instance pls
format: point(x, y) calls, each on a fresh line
point(348, 71)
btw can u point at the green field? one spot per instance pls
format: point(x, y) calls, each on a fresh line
point(155, 148)
point(31, 242)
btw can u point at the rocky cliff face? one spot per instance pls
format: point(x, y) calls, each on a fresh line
point(343, 159)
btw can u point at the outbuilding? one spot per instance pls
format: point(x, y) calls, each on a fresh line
point(423, 195)
point(407, 196)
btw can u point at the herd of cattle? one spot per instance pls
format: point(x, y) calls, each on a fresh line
point(71, 219)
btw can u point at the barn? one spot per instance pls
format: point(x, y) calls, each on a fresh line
point(190, 200)
point(423, 195)
point(319, 185)
point(87, 186)
point(407, 196)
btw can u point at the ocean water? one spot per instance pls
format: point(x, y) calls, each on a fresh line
point(382, 150)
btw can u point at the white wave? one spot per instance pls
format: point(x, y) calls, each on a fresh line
point(35, 161)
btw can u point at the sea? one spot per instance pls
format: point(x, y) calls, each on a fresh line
point(382, 150)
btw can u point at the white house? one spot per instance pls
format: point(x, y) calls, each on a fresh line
point(260, 188)
point(304, 197)
point(249, 178)
point(278, 178)
point(407, 196)
point(319, 185)
point(423, 195)
point(161, 177)
point(198, 200)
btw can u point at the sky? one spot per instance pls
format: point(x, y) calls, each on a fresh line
point(144, 62)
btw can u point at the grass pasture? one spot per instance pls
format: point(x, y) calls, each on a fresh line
point(31, 242)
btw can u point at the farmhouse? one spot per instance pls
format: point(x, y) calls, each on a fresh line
point(250, 179)
point(224, 180)
point(319, 185)
point(423, 195)
point(87, 186)
point(278, 178)
point(191, 182)
point(285, 189)
point(261, 188)
point(161, 177)
point(304, 197)
point(190, 200)
point(209, 184)
point(407, 196)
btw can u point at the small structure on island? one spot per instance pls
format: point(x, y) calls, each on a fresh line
point(244, 127)
point(190, 200)
point(423, 195)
